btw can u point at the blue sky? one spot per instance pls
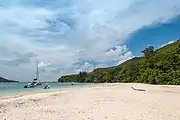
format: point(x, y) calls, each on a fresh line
point(68, 36)
point(155, 35)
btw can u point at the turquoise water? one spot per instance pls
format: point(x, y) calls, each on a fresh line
point(15, 88)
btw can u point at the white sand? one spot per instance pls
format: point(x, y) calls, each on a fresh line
point(98, 102)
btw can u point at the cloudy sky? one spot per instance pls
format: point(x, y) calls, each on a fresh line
point(68, 36)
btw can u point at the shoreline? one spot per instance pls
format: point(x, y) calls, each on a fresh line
point(20, 94)
point(39, 89)
point(78, 87)
point(31, 93)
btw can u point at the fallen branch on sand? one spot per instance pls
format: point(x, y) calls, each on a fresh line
point(137, 89)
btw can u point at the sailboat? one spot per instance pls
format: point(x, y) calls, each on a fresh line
point(35, 81)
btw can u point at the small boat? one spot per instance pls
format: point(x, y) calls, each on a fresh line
point(72, 83)
point(47, 86)
point(35, 81)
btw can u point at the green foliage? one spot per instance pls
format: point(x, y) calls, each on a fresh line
point(74, 78)
point(155, 67)
point(162, 67)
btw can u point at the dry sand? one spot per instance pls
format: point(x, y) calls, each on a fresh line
point(97, 102)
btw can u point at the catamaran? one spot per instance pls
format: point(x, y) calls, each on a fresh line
point(35, 81)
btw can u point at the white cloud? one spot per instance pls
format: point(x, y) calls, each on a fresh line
point(170, 42)
point(79, 35)
point(30, 18)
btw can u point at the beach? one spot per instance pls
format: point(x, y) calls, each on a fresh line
point(95, 102)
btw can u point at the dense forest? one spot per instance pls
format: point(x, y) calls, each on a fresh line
point(161, 66)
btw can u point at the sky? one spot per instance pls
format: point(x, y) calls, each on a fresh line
point(69, 36)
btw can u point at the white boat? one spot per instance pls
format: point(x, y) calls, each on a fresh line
point(35, 81)
point(47, 86)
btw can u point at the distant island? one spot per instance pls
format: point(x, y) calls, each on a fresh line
point(6, 80)
point(161, 66)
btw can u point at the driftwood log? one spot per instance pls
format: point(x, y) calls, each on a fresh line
point(137, 89)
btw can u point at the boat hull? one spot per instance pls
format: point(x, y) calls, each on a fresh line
point(47, 87)
point(27, 86)
point(39, 84)
point(32, 85)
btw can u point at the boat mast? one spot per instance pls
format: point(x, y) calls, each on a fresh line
point(37, 72)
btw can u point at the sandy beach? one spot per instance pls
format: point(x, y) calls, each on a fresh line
point(95, 102)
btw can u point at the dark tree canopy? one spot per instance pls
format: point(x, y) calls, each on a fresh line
point(148, 51)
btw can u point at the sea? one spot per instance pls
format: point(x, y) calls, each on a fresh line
point(16, 88)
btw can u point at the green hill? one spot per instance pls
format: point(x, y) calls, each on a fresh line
point(6, 80)
point(161, 66)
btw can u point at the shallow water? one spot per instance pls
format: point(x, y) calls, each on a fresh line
point(15, 88)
